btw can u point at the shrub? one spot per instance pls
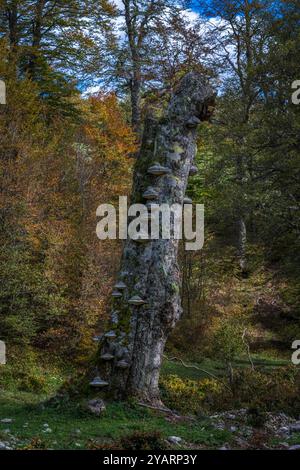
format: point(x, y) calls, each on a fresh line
point(227, 340)
point(32, 383)
point(276, 390)
point(141, 440)
point(188, 396)
point(256, 417)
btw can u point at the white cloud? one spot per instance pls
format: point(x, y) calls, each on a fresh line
point(119, 4)
point(191, 15)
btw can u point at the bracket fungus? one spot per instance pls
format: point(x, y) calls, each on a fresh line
point(150, 193)
point(120, 285)
point(110, 334)
point(158, 170)
point(116, 294)
point(141, 239)
point(107, 357)
point(136, 300)
point(187, 200)
point(98, 382)
point(122, 364)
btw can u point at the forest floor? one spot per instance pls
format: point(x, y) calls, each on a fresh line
point(265, 302)
point(29, 421)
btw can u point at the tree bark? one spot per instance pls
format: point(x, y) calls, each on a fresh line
point(242, 243)
point(135, 97)
point(36, 38)
point(137, 18)
point(135, 82)
point(150, 269)
point(241, 223)
point(12, 15)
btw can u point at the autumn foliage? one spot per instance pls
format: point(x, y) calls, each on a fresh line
point(55, 275)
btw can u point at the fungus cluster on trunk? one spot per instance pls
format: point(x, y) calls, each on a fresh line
point(146, 301)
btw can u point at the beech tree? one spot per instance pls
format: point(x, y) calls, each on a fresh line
point(61, 35)
point(243, 36)
point(161, 43)
point(146, 303)
point(140, 19)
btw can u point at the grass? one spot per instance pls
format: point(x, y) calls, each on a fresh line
point(73, 428)
point(208, 366)
point(176, 368)
point(30, 378)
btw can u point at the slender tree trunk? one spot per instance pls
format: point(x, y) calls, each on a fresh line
point(150, 270)
point(241, 223)
point(186, 269)
point(135, 96)
point(134, 39)
point(12, 14)
point(36, 38)
point(242, 244)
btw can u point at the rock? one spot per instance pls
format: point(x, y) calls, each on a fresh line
point(242, 443)
point(295, 427)
point(233, 428)
point(295, 447)
point(96, 406)
point(7, 420)
point(174, 440)
point(223, 448)
point(285, 445)
point(4, 446)
point(47, 430)
point(220, 426)
point(284, 429)
point(247, 432)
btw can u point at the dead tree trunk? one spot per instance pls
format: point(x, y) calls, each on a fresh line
point(130, 355)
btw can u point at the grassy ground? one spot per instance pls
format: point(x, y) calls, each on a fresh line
point(208, 367)
point(36, 424)
point(265, 302)
point(73, 428)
